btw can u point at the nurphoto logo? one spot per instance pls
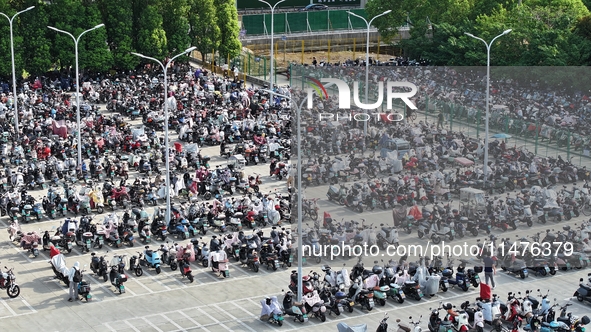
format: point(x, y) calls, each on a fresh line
point(345, 93)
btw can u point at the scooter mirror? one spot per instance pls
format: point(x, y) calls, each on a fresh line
point(410, 317)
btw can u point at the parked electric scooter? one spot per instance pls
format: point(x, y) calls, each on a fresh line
point(151, 259)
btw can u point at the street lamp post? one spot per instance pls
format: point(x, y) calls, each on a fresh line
point(272, 49)
point(299, 184)
point(167, 154)
point(76, 40)
point(488, 46)
point(367, 60)
point(15, 102)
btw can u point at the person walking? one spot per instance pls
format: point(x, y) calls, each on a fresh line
point(75, 275)
point(489, 270)
point(440, 119)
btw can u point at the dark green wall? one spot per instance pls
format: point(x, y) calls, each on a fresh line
point(249, 4)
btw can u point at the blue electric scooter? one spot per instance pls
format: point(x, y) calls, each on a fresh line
point(151, 259)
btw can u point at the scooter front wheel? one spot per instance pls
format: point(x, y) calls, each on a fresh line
point(158, 270)
point(139, 272)
point(13, 291)
point(190, 277)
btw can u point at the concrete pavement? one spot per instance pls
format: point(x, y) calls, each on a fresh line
point(167, 302)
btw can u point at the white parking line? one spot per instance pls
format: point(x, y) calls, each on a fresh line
point(109, 327)
point(8, 307)
point(156, 280)
point(234, 318)
point(213, 319)
point(131, 326)
point(20, 251)
point(152, 325)
point(173, 323)
point(28, 305)
point(192, 320)
point(95, 281)
point(141, 284)
point(207, 273)
point(175, 278)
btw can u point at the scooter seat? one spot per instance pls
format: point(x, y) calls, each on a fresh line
point(87, 234)
point(410, 282)
point(364, 291)
point(386, 229)
point(566, 228)
point(55, 238)
point(546, 324)
point(297, 304)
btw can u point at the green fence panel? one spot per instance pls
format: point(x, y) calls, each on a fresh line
point(318, 20)
point(278, 23)
point(253, 24)
point(297, 22)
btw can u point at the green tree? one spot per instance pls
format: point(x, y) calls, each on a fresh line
point(583, 27)
point(388, 24)
point(204, 31)
point(438, 11)
point(117, 16)
point(93, 50)
point(175, 23)
point(443, 45)
point(151, 37)
point(35, 49)
point(65, 15)
point(541, 36)
point(227, 18)
point(5, 60)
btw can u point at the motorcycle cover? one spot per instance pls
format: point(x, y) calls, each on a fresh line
point(372, 281)
point(29, 238)
point(399, 214)
point(432, 284)
point(343, 327)
point(415, 212)
point(60, 128)
point(485, 292)
point(59, 262)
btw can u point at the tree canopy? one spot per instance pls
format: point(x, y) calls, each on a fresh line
point(156, 28)
point(544, 32)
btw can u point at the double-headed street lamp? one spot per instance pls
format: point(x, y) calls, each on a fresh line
point(76, 40)
point(367, 59)
point(10, 20)
point(488, 46)
point(272, 49)
point(299, 184)
point(167, 147)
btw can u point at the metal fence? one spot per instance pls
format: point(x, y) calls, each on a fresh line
point(247, 63)
point(541, 139)
point(309, 21)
